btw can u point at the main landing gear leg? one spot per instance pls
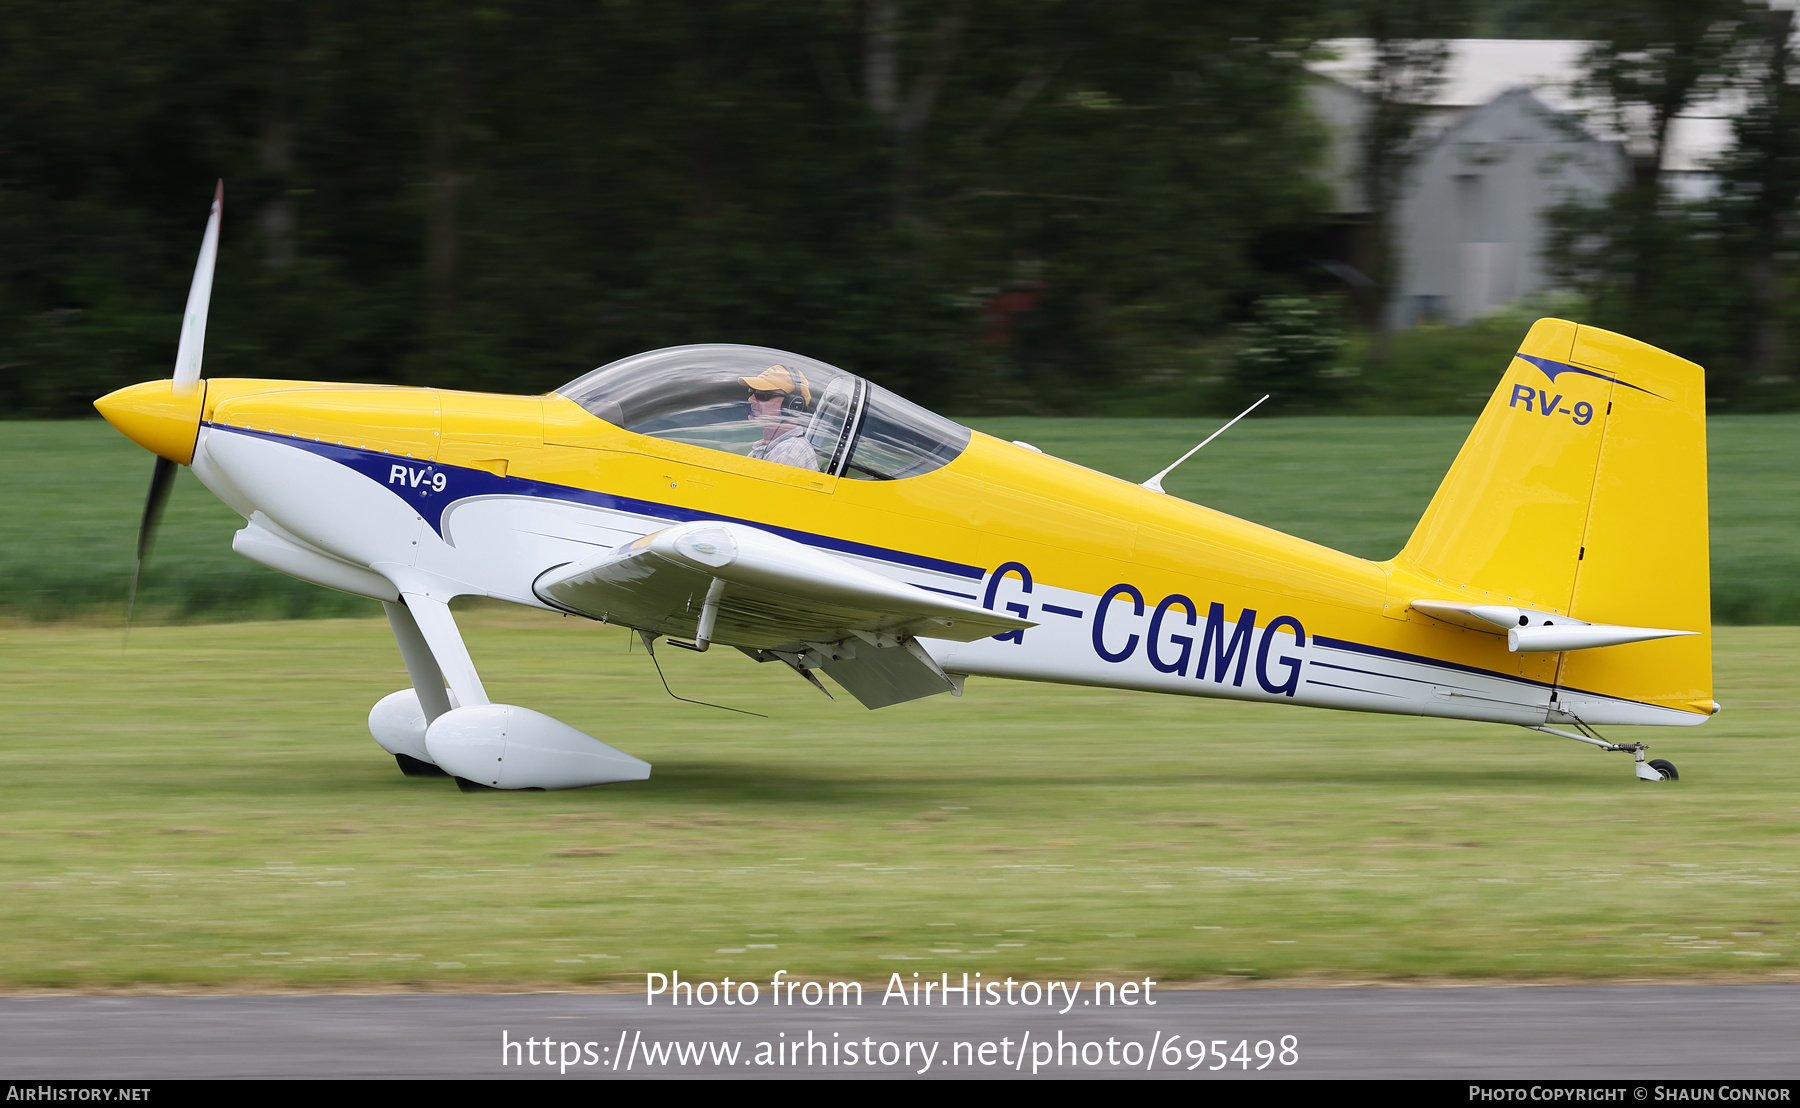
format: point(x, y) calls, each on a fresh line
point(482, 745)
point(421, 666)
point(437, 627)
point(399, 722)
point(1659, 769)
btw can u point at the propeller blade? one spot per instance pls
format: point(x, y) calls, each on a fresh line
point(162, 479)
point(187, 371)
point(193, 321)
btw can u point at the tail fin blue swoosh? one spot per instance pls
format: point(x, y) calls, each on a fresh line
point(1551, 369)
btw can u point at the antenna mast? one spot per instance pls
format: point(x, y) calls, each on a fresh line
point(1155, 483)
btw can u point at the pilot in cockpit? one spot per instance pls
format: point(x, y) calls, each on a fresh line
point(781, 402)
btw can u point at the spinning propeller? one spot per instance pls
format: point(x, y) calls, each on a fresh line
point(148, 424)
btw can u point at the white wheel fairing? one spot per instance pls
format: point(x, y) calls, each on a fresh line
point(397, 724)
point(505, 746)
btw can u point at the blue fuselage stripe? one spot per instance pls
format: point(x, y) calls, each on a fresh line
point(1376, 673)
point(1351, 688)
point(1420, 659)
point(946, 592)
point(430, 503)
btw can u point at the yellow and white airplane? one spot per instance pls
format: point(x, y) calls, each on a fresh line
point(762, 500)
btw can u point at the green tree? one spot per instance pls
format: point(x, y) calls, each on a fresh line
point(1286, 350)
point(1760, 200)
point(502, 195)
point(1701, 277)
point(1653, 61)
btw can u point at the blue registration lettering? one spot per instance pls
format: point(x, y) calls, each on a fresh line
point(1023, 611)
point(1186, 642)
point(1137, 609)
point(1288, 687)
point(1213, 644)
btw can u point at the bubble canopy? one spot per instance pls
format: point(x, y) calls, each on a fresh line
point(772, 405)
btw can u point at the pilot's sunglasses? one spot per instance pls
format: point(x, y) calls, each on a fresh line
point(765, 394)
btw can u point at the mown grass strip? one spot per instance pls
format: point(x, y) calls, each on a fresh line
point(206, 809)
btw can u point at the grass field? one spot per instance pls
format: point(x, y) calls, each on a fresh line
point(207, 810)
point(1357, 484)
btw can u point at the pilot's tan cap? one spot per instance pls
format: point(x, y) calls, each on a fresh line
point(777, 378)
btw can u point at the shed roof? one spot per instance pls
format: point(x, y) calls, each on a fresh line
point(1481, 70)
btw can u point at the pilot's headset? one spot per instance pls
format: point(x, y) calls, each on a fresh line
point(798, 401)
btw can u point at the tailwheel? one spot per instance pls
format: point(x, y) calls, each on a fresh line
point(417, 767)
point(1644, 769)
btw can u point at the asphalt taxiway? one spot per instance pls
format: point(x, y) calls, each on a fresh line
point(1644, 1032)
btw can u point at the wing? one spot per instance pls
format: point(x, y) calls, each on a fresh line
point(775, 598)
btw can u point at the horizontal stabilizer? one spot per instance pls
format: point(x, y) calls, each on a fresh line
point(1533, 632)
point(1554, 640)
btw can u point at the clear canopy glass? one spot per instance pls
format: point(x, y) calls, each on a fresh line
point(772, 405)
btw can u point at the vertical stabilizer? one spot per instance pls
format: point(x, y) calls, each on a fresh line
point(1582, 491)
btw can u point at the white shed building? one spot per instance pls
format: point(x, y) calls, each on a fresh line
point(1502, 141)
